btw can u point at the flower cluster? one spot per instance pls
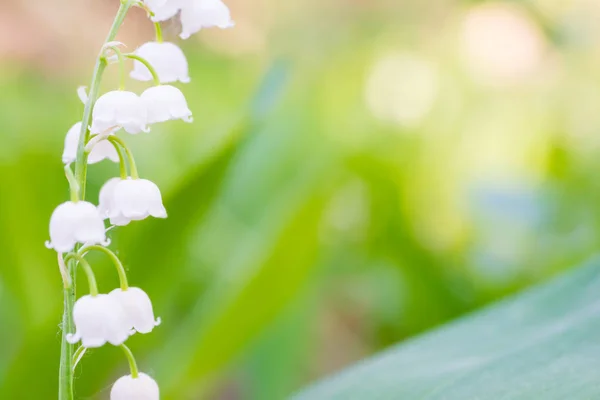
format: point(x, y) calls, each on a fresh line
point(77, 227)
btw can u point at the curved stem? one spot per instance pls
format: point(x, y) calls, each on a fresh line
point(132, 364)
point(117, 140)
point(113, 257)
point(122, 164)
point(64, 271)
point(73, 184)
point(159, 35)
point(122, 72)
point(147, 64)
point(89, 274)
point(78, 355)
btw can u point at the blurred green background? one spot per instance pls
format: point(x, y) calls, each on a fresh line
point(357, 172)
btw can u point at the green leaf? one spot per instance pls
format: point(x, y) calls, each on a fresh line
point(542, 344)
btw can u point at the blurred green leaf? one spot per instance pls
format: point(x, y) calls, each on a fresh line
point(542, 344)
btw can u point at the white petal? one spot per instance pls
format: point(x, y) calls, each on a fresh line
point(141, 388)
point(200, 14)
point(99, 319)
point(138, 307)
point(165, 103)
point(105, 200)
point(71, 141)
point(136, 199)
point(75, 222)
point(166, 58)
point(164, 10)
point(119, 108)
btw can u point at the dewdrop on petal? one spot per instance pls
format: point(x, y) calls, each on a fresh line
point(102, 150)
point(198, 14)
point(164, 103)
point(120, 108)
point(129, 388)
point(138, 307)
point(75, 222)
point(166, 58)
point(129, 200)
point(99, 320)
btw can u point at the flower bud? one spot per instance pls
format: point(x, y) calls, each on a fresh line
point(103, 149)
point(99, 319)
point(164, 103)
point(198, 14)
point(138, 307)
point(120, 108)
point(74, 222)
point(129, 200)
point(166, 58)
point(129, 388)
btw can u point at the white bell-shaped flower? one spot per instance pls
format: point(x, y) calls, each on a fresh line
point(166, 58)
point(99, 319)
point(103, 149)
point(129, 388)
point(164, 103)
point(129, 200)
point(74, 222)
point(120, 108)
point(138, 307)
point(198, 14)
point(164, 9)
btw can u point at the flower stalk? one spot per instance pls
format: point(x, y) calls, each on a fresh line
point(78, 226)
point(65, 382)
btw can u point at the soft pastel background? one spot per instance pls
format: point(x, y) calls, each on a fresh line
point(357, 172)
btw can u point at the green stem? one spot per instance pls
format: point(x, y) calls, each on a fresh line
point(73, 185)
point(65, 381)
point(115, 260)
point(132, 166)
point(89, 273)
point(132, 364)
point(155, 76)
point(79, 353)
point(122, 72)
point(159, 34)
point(122, 165)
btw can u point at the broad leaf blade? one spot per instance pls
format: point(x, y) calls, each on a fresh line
point(542, 344)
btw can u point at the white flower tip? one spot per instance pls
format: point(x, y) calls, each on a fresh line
point(146, 129)
point(73, 338)
point(82, 94)
point(49, 245)
point(184, 35)
point(158, 321)
point(186, 79)
point(106, 242)
point(189, 119)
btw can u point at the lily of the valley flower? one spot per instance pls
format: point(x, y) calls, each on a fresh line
point(166, 58)
point(164, 103)
point(164, 9)
point(74, 222)
point(142, 387)
point(103, 149)
point(120, 108)
point(126, 200)
point(138, 307)
point(198, 14)
point(99, 319)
